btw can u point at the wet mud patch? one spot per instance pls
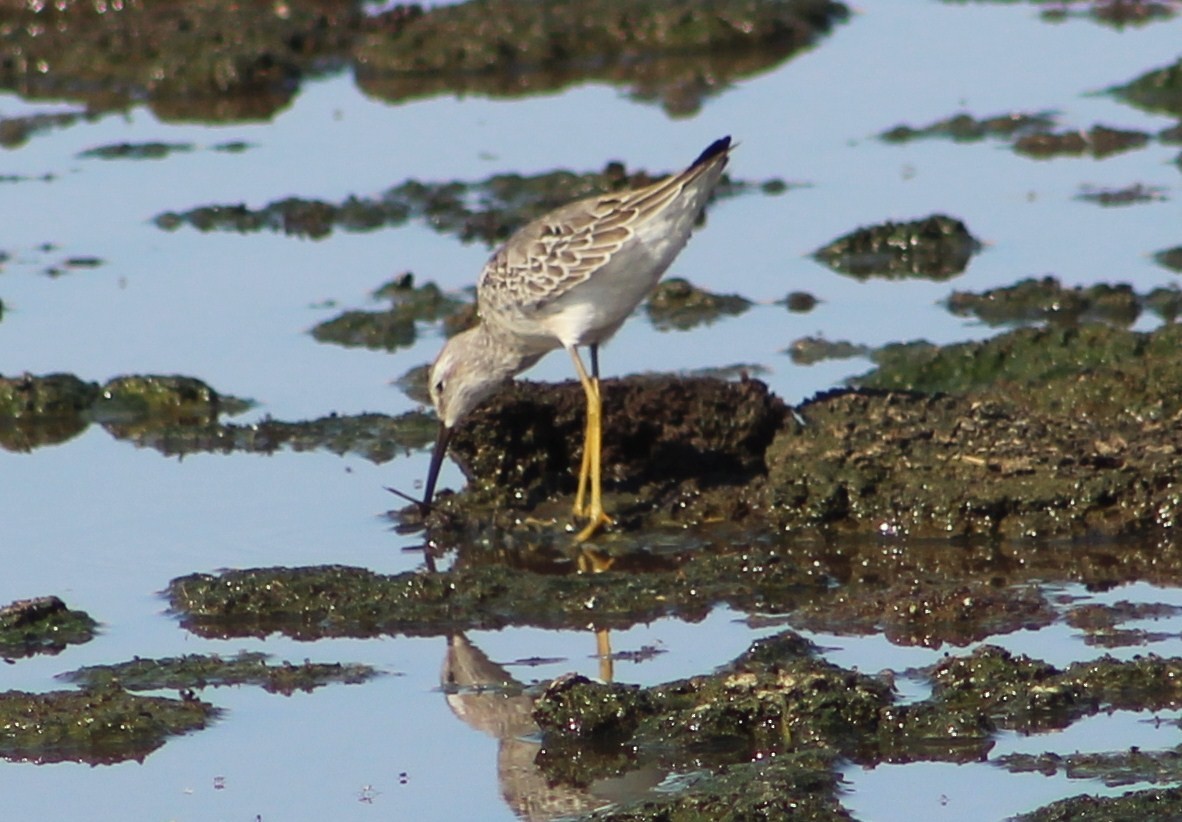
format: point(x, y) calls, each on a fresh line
point(677, 53)
point(197, 671)
point(206, 60)
point(136, 151)
point(98, 727)
point(936, 248)
point(675, 304)
point(965, 128)
point(42, 625)
point(375, 437)
point(1151, 804)
point(1158, 91)
point(1170, 258)
point(1098, 142)
point(1048, 300)
point(812, 350)
point(1060, 431)
point(16, 131)
point(489, 210)
point(1127, 195)
point(395, 327)
point(339, 601)
point(953, 467)
point(928, 613)
point(1101, 623)
point(780, 700)
point(1112, 769)
point(178, 415)
point(43, 410)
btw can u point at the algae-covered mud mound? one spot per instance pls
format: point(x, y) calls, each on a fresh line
point(42, 625)
point(1061, 431)
point(101, 726)
point(215, 60)
point(104, 723)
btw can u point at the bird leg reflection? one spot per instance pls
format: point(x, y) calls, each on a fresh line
point(603, 649)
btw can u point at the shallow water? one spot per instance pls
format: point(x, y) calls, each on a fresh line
point(106, 526)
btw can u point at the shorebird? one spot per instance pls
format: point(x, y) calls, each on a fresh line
point(568, 279)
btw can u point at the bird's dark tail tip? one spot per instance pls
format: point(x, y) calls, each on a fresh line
point(719, 146)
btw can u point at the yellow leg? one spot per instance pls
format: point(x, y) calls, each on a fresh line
point(592, 448)
point(584, 472)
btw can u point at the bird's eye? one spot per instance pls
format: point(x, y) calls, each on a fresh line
point(439, 387)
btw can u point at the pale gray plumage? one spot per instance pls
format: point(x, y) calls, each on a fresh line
point(569, 279)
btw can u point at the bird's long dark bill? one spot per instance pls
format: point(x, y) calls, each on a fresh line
point(441, 441)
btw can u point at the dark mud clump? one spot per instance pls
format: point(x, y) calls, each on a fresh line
point(43, 625)
point(196, 671)
point(964, 128)
point(800, 302)
point(1047, 299)
point(667, 441)
point(1098, 142)
point(675, 304)
point(936, 248)
point(98, 727)
point(395, 327)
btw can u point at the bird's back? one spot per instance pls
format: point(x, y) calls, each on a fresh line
point(574, 275)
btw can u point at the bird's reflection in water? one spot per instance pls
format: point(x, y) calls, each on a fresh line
point(488, 698)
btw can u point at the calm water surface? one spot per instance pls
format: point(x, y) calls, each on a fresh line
point(106, 526)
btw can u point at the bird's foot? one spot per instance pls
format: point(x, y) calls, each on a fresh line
point(597, 521)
